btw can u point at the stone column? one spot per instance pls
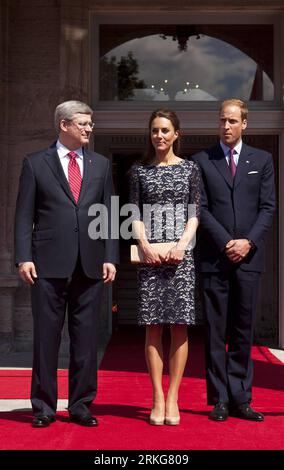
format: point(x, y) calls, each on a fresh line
point(8, 280)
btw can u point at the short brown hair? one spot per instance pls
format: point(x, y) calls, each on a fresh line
point(235, 102)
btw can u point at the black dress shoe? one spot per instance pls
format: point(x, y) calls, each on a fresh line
point(244, 411)
point(220, 412)
point(42, 421)
point(89, 421)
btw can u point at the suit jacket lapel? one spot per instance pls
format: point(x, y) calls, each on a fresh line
point(87, 172)
point(52, 159)
point(218, 159)
point(242, 167)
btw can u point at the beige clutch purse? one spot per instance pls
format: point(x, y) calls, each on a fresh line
point(136, 254)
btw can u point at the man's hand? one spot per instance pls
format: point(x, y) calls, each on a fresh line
point(109, 272)
point(27, 272)
point(237, 250)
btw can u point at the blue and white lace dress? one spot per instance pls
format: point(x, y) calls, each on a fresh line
point(166, 293)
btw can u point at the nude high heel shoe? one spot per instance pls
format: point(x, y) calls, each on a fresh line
point(157, 416)
point(173, 420)
point(156, 420)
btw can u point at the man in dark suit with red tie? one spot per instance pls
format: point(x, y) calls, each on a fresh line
point(238, 201)
point(65, 266)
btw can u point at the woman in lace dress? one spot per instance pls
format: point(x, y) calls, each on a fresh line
point(166, 285)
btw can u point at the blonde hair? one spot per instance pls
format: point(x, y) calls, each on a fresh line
point(235, 102)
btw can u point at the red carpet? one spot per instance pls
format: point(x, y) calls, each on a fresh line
point(124, 400)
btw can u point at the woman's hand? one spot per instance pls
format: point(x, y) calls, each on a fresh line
point(174, 256)
point(150, 255)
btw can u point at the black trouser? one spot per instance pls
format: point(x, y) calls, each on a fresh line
point(230, 300)
point(50, 297)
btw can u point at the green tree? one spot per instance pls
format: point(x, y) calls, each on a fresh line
point(127, 77)
point(108, 78)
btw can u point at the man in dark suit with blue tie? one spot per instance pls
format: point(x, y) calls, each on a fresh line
point(65, 264)
point(238, 201)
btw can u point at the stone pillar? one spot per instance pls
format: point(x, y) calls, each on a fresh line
point(8, 281)
point(22, 320)
point(74, 73)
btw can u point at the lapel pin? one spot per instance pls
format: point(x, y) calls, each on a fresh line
point(247, 161)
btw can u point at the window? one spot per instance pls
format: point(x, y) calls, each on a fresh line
point(183, 62)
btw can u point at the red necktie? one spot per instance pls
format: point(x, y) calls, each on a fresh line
point(232, 163)
point(74, 175)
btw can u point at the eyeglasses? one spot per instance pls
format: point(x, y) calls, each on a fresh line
point(83, 125)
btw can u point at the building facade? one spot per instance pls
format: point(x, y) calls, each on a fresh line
point(127, 58)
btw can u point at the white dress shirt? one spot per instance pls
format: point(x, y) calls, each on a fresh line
point(237, 151)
